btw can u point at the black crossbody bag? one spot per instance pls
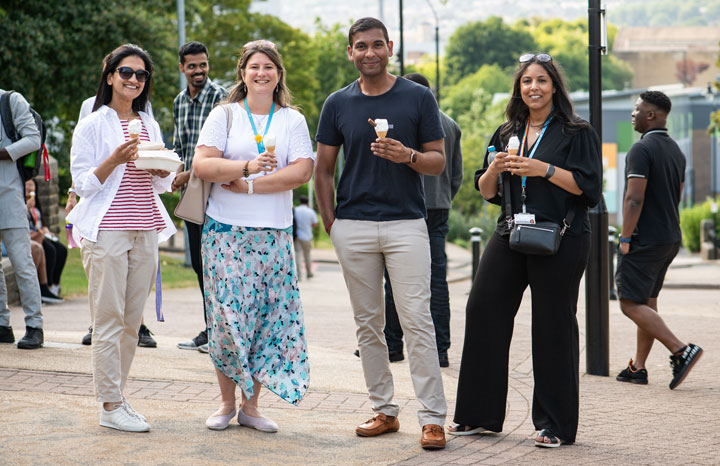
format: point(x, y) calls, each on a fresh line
point(540, 238)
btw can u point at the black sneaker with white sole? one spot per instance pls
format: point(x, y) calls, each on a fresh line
point(48, 297)
point(633, 375)
point(144, 337)
point(194, 344)
point(682, 363)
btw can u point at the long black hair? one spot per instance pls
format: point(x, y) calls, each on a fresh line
point(517, 111)
point(111, 63)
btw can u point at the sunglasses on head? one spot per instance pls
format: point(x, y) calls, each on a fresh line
point(540, 57)
point(259, 43)
point(126, 72)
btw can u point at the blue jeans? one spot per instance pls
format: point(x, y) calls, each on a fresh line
point(437, 225)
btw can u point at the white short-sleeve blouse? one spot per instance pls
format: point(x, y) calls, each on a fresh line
point(293, 142)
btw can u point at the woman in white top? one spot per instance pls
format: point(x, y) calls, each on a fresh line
point(118, 223)
point(255, 323)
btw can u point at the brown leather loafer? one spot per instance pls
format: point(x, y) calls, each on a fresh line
point(433, 437)
point(379, 424)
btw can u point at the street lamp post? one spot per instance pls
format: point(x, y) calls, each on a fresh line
point(181, 34)
point(596, 273)
point(437, 51)
point(402, 42)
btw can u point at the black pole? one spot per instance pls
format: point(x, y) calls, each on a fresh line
point(437, 60)
point(402, 42)
point(597, 273)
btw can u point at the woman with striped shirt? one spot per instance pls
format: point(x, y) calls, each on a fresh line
point(120, 220)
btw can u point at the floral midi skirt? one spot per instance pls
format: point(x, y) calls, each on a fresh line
point(255, 318)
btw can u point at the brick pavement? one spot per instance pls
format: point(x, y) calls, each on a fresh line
point(619, 423)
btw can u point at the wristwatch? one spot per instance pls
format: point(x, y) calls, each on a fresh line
point(550, 171)
point(413, 156)
point(250, 186)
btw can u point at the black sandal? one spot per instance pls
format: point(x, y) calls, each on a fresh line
point(546, 434)
point(462, 429)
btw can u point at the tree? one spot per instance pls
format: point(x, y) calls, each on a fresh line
point(567, 42)
point(225, 26)
point(482, 84)
point(478, 125)
point(333, 70)
point(52, 53)
point(485, 43)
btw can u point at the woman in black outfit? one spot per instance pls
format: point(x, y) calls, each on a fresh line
point(560, 158)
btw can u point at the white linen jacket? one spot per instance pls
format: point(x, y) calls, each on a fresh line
point(95, 138)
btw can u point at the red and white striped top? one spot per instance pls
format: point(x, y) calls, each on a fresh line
point(134, 207)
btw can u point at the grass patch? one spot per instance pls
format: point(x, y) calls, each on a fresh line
point(174, 273)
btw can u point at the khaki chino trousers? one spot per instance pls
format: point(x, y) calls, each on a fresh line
point(365, 249)
point(120, 267)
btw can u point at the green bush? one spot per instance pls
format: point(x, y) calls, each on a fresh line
point(171, 201)
point(459, 224)
point(690, 219)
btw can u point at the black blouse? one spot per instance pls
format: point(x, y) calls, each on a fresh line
point(579, 152)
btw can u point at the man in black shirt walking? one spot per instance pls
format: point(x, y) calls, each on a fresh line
point(650, 239)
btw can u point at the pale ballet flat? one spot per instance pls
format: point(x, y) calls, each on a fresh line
point(260, 423)
point(219, 422)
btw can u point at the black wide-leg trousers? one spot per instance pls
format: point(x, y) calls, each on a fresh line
point(496, 294)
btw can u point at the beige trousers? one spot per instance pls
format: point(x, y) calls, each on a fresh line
point(303, 250)
point(364, 249)
point(120, 267)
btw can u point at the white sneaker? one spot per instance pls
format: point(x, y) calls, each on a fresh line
point(120, 419)
point(130, 409)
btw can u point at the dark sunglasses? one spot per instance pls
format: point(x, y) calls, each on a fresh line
point(126, 72)
point(540, 57)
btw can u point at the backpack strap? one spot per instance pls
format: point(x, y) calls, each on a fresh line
point(7, 116)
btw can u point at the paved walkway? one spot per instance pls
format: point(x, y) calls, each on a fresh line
point(50, 416)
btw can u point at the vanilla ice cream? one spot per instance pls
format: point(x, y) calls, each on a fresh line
point(269, 142)
point(513, 145)
point(135, 128)
point(381, 127)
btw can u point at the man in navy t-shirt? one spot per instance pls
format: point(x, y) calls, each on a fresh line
point(650, 238)
point(379, 220)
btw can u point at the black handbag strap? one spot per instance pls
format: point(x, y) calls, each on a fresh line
point(567, 221)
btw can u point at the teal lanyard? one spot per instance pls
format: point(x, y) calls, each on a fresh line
point(523, 195)
point(258, 138)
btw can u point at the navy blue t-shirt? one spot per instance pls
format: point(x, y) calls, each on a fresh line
point(370, 187)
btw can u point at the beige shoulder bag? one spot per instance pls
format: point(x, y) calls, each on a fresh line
point(194, 199)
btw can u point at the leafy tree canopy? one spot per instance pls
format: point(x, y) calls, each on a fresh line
point(567, 42)
point(481, 85)
point(487, 42)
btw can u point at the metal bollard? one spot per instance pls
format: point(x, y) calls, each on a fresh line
point(476, 238)
point(612, 237)
point(597, 328)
